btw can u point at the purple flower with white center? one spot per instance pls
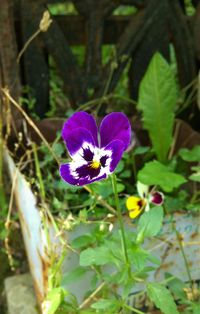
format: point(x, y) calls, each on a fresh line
point(94, 154)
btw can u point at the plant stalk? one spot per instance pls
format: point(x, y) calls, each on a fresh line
point(120, 219)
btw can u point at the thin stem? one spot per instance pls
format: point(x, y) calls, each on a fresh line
point(27, 44)
point(88, 300)
point(5, 91)
point(133, 309)
point(3, 203)
point(43, 194)
point(38, 172)
point(134, 167)
point(120, 219)
point(100, 200)
point(106, 89)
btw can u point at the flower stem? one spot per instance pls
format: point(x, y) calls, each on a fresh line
point(134, 310)
point(120, 220)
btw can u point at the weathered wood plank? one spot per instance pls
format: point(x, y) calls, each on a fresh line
point(183, 43)
point(8, 49)
point(74, 28)
point(155, 39)
point(35, 63)
point(58, 47)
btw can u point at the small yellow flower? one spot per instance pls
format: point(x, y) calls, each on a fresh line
point(135, 205)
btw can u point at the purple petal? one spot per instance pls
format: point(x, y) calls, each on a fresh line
point(157, 198)
point(67, 176)
point(76, 138)
point(86, 181)
point(115, 126)
point(117, 148)
point(80, 119)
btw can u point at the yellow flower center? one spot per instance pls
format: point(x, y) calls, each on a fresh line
point(95, 164)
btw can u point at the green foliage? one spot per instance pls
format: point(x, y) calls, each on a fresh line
point(138, 257)
point(54, 299)
point(162, 298)
point(196, 308)
point(176, 286)
point(110, 305)
point(157, 100)
point(96, 256)
point(62, 8)
point(190, 155)
point(82, 241)
point(150, 223)
point(155, 173)
point(73, 275)
point(195, 176)
point(114, 274)
point(141, 150)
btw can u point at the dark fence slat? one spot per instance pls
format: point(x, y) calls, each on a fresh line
point(156, 38)
point(35, 63)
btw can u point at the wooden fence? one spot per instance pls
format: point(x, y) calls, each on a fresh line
point(136, 37)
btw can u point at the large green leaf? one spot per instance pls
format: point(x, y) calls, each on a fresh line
point(162, 298)
point(150, 223)
point(157, 100)
point(95, 256)
point(106, 305)
point(155, 173)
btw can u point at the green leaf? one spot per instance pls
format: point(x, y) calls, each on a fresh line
point(157, 100)
point(162, 298)
point(155, 173)
point(138, 257)
point(176, 286)
point(53, 300)
point(196, 308)
point(73, 275)
point(150, 223)
point(106, 304)
point(102, 188)
point(98, 256)
point(190, 155)
point(195, 176)
point(82, 241)
point(141, 150)
point(125, 174)
point(154, 259)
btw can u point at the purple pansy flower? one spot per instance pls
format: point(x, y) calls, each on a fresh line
point(94, 155)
